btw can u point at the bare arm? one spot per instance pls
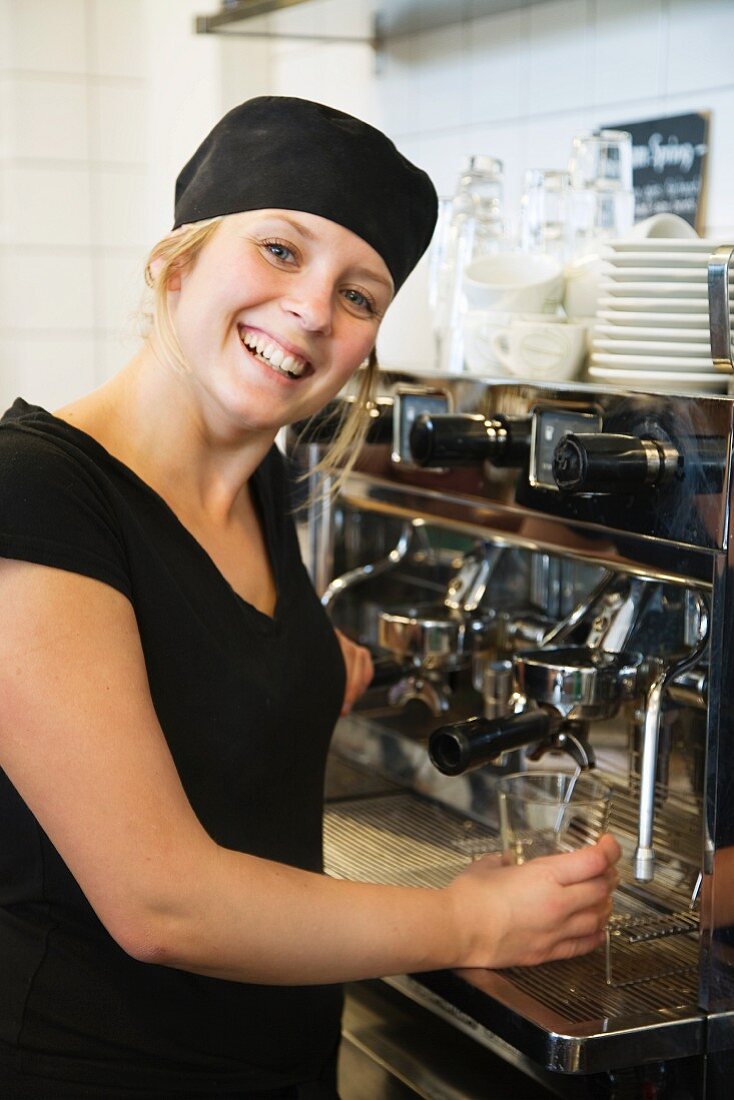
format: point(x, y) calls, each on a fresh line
point(80, 739)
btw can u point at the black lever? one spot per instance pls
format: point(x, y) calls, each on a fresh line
point(463, 440)
point(602, 462)
point(470, 744)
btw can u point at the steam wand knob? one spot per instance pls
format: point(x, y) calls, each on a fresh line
point(463, 440)
point(602, 462)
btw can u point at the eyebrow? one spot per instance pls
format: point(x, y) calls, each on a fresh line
point(360, 272)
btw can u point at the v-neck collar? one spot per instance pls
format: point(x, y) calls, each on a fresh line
point(261, 501)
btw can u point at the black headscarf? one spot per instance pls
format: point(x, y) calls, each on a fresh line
point(276, 152)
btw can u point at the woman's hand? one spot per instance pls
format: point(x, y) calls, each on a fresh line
point(554, 907)
point(360, 670)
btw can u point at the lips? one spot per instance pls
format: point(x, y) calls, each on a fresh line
point(269, 351)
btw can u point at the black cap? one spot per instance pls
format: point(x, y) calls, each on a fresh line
point(277, 152)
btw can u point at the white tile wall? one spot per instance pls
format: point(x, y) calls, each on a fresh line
point(119, 284)
point(43, 118)
point(441, 80)
point(119, 132)
point(44, 290)
point(47, 205)
point(628, 51)
point(119, 207)
point(119, 45)
point(47, 36)
point(50, 371)
point(700, 38)
point(498, 85)
point(560, 56)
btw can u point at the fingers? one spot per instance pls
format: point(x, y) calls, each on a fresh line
point(588, 862)
point(359, 670)
point(572, 948)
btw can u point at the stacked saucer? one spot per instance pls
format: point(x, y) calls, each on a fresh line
point(652, 322)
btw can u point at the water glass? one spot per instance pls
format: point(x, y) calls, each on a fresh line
point(545, 213)
point(542, 813)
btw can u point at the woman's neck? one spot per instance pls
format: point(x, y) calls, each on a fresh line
point(150, 417)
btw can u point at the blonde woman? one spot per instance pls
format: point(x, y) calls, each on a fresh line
point(169, 681)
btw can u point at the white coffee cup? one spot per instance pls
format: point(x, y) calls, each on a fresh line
point(583, 286)
point(538, 350)
point(669, 226)
point(519, 282)
point(480, 328)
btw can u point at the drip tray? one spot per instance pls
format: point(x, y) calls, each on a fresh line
point(565, 1016)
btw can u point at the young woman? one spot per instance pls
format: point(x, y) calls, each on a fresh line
point(169, 681)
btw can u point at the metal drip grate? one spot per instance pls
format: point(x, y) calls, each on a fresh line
point(401, 840)
point(405, 840)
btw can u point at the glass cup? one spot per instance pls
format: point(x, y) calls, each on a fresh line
point(602, 202)
point(545, 213)
point(543, 813)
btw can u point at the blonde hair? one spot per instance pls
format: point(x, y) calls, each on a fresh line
point(177, 251)
point(167, 258)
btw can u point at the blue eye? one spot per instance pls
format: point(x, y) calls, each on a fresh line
point(360, 300)
point(278, 250)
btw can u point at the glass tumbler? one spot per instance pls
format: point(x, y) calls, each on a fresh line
point(603, 200)
point(543, 813)
point(545, 213)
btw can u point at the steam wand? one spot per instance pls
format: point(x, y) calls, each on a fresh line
point(644, 859)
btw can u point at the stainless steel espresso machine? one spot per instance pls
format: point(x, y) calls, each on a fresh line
point(545, 578)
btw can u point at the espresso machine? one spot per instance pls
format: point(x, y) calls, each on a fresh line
point(544, 576)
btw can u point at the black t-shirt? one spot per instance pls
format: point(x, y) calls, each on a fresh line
point(247, 704)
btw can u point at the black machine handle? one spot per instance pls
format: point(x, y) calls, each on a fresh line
point(607, 463)
point(465, 745)
point(463, 440)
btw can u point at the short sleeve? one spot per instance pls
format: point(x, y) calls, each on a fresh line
point(57, 507)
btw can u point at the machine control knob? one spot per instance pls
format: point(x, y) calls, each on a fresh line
point(601, 462)
point(463, 440)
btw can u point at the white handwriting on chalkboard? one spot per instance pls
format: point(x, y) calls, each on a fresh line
point(660, 155)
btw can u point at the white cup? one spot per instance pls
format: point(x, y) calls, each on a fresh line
point(480, 328)
point(583, 286)
point(670, 226)
point(519, 282)
point(538, 350)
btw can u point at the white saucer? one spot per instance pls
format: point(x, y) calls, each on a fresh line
point(675, 350)
point(652, 362)
point(689, 306)
point(656, 289)
point(684, 336)
point(658, 259)
point(663, 244)
point(657, 274)
point(657, 381)
point(627, 316)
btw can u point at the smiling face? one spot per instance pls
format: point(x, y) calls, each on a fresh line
point(274, 316)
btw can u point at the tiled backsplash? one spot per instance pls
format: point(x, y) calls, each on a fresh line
point(101, 101)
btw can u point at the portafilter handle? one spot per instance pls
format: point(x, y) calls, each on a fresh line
point(719, 316)
point(462, 746)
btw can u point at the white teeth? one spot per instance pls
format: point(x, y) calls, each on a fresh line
point(273, 355)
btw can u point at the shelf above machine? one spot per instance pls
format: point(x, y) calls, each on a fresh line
point(372, 21)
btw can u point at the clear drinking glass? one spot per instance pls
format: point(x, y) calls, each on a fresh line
point(545, 213)
point(602, 204)
point(474, 227)
point(542, 813)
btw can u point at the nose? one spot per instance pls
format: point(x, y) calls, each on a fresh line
point(311, 301)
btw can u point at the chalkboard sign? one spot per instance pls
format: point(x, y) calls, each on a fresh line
point(669, 166)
